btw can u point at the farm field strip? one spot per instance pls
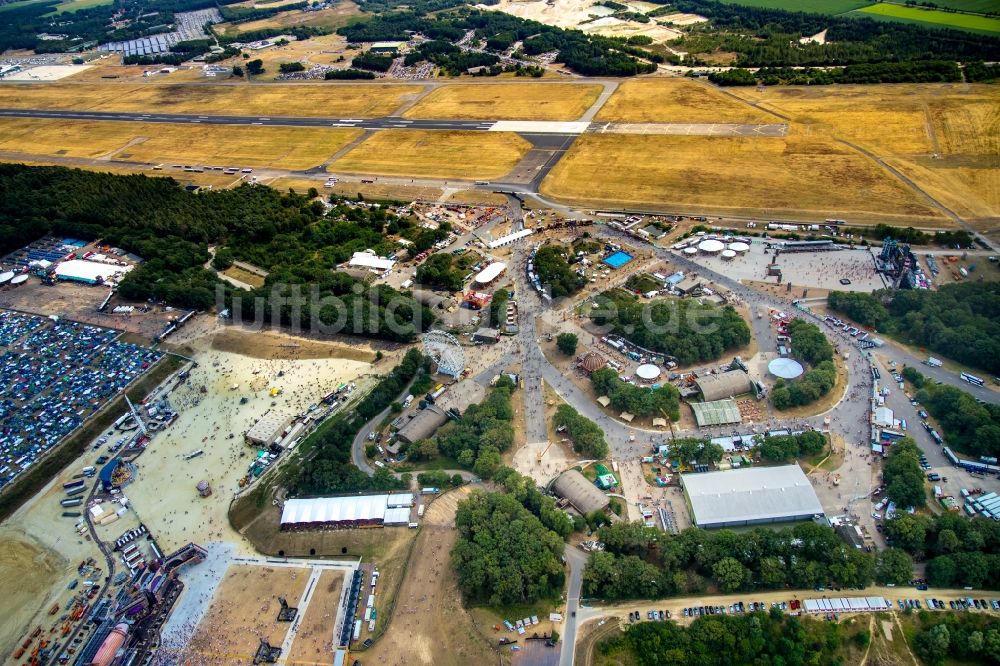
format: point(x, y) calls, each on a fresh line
point(932, 17)
point(510, 101)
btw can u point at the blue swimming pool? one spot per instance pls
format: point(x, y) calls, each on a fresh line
point(618, 259)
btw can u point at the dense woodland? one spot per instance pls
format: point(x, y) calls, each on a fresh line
point(641, 562)
point(809, 344)
point(728, 640)
point(326, 468)
point(959, 321)
point(290, 235)
point(959, 551)
point(504, 555)
point(903, 476)
point(683, 328)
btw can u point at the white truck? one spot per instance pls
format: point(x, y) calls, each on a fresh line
point(933, 362)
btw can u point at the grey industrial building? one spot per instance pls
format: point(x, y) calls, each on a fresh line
point(751, 496)
point(724, 385)
point(580, 492)
point(456, 399)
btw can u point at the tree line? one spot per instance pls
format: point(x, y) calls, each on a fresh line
point(903, 476)
point(967, 426)
point(923, 71)
point(683, 328)
point(959, 551)
point(642, 562)
point(587, 438)
point(662, 402)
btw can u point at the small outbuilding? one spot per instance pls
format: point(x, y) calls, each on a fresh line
point(580, 492)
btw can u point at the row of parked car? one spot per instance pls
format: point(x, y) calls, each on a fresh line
point(739, 607)
point(652, 615)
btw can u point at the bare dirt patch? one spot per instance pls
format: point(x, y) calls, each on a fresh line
point(429, 624)
point(280, 346)
point(244, 609)
point(314, 641)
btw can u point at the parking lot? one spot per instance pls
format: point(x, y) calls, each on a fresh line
point(54, 375)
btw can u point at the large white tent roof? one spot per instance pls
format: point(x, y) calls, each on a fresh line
point(369, 260)
point(739, 246)
point(755, 494)
point(88, 270)
point(785, 368)
point(711, 246)
point(491, 272)
point(647, 371)
point(334, 509)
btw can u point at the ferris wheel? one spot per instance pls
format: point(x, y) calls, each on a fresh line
point(446, 351)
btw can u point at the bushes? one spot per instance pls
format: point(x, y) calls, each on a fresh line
point(372, 61)
point(783, 448)
point(440, 271)
point(498, 308)
point(347, 74)
point(588, 439)
point(863, 308)
point(566, 342)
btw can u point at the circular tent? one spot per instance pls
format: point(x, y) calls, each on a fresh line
point(711, 246)
point(728, 254)
point(691, 250)
point(6, 277)
point(593, 362)
point(785, 368)
point(739, 247)
point(20, 279)
point(647, 372)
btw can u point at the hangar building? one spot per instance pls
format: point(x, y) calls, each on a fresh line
point(269, 428)
point(751, 496)
point(724, 385)
point(580, 492)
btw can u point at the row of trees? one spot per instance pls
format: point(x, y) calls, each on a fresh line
point(638, 400)
point(588, 439)
point(865, 309)
point(683, 328)
point(642, 562)
point(753, 638)
point(504, 555)
point(689, 450)
point(329, 469)
point(924, 71)
point(966, 638)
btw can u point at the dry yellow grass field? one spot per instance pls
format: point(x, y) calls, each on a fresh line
point(230, 145)
point(507, 101)
point(945, 137)
point(306, 100)
point(802, 175)
point(677, 101)
point(435, 154)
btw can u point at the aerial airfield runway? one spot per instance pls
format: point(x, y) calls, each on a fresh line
point(523, 127)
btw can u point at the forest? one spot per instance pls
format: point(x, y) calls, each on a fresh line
point(959, 551)
point(727, 640)
point(482, 433)
point(290, 235)
point(861, 307)
point(554, 271)
point(504, 555)
point(924, 71)
point(641, 562)
point(903, 477)
point(662, 402)
point(683, 328)
point(965, 638)
point(329, 468)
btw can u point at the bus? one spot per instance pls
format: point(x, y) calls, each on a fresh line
point(972, 379)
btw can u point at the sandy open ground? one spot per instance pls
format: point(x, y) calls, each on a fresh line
point(47, 73)
point(244, 610)
point(429, 624)
point(164, 494)
point(435, 154)
point(507, 101)
point(328, 100)
point(278, 147)
point(585, 16)
point(795, 175)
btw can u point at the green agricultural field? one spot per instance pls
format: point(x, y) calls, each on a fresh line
point(932, 17)
point(973, 6)
point(74, 5)
point(830, 7)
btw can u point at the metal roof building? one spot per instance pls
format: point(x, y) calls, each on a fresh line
point(423, 425)
point(89, 272)
point(490, 274)
point(751, 496)
point(719, 412)
point(580, 492)
point(370, 261)
point(724, 385)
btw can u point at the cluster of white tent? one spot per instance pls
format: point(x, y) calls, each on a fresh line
point(847, 605)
